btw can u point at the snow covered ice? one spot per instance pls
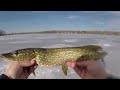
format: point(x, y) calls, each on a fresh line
point(111, 44)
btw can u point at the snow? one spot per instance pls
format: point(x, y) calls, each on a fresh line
point(109, 43)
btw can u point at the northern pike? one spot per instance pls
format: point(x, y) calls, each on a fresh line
point(56, 56)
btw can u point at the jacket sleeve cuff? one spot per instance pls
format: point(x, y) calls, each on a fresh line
point(3, 76)
point(112, 77)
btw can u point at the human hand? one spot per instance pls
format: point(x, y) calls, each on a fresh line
point(89, 69)
point(21, 69)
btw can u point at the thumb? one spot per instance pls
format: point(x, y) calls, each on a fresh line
point(84, 63)
point(76, 68)
point(27, 63)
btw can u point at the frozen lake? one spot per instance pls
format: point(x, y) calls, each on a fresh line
point(111, 44)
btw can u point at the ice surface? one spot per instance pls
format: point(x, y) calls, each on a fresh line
point(109, 43)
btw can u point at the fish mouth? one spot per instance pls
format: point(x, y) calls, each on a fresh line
point(104, 53)
point(1, 56)
point(6, 57)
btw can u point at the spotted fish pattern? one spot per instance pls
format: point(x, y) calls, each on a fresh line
point(56, 56)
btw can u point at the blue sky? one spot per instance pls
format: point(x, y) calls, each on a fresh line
point(28, 21)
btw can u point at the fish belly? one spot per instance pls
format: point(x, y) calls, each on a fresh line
point(53, 57)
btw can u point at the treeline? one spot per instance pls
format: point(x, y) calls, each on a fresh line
point(70, 32)
point(63, 32)
point(85, 32)
point(103, 32)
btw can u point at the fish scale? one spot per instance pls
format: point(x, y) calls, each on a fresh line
point(56, 56)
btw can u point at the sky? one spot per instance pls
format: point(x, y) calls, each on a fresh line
point(32, 21)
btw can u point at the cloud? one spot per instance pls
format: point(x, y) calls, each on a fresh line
point(73, 17)
point(40, 11)
point(114, 12)
point(117, 13)
point(114, 22)
point(99, 22)
point(90, 11)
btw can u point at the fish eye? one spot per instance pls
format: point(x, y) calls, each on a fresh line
point(100, 50)
point(15, 53)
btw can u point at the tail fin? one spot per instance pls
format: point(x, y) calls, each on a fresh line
point(34, 73)
point(102, 61)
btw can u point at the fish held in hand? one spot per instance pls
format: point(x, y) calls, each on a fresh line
point(56, 56)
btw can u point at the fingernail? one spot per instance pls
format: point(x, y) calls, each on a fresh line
point(68, 63)
point(72, 65)
point(32, 61)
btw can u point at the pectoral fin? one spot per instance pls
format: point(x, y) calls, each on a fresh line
point(34, 73)
point(103, 61)
point(30, 69)
point(64, 69)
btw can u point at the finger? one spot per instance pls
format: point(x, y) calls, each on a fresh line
point(32, 68)
point(73, 65)
point(84, 63)
point(26, 63)
point(70, 64)
point(83, 73)
point(26, 72)
point(77, 70)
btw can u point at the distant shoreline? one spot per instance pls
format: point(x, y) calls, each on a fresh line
point(70, 32)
